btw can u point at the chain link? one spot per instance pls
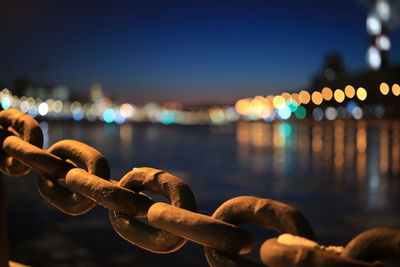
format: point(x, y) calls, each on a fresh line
point(20, 124)
point(144, 235)
point(171, 225)
point(265, 213)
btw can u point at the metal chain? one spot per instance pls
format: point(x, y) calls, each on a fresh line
point(171, 225)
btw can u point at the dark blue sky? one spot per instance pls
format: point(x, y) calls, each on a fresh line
point(181, 50)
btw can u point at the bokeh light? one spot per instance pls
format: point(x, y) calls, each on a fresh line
point(304, 97)
point(279, 101)
point(373, 25)
point(242, 106)
point(383, 43)
point(357, 113)
point(127, 110)
point(361, 93)
point(217, 116)
point(318, 114)
point(301, 112)
point(167, 117)
point(339, 95)
point(43, 108)
point(384, 88)
point(6, 103)
point(292, 104)
point(316, 98)
point(109, 115)
point(286, 95)
point(396, 89)
point(349, 91)
point(374, 58)
point(296, 98)
point(284, 112)
point(331, 113)
point(327, 93)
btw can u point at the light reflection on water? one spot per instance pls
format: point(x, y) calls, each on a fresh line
point(343, 175)
point(374, 147)
point(361, 152)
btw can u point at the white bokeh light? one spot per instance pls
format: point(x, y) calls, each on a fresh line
point(383, 43)
point(374, 58)
point(43, 108)
point(383, 10)
point(374, 26)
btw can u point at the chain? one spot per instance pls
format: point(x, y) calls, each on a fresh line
point(171, 225)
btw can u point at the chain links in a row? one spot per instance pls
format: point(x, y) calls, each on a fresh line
point(170, 225)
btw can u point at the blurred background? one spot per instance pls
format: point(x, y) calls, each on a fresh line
point(297, 101)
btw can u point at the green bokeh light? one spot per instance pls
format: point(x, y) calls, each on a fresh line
point(301, 112)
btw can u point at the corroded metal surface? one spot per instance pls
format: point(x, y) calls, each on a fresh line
point(73, 203)
point(201, 229)
point(374, 244)
point(265, 213)
point(276, 254)
point(171, 225)
point(108, 194)
point(144, 235)
point(28, 129)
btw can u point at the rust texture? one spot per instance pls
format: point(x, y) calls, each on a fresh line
point(20, 124)
point(201, 229)
point(275, 254)
point(171, 225)
point(108, 194)
point(72, 203)
point(265, 213)
point(160, 183)
point(374, 244)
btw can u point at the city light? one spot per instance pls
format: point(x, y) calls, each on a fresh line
point(316, 98)
point(374, 58)
point(318, 114)
point(127, 110)
point(43, 109)
point(109, 115)
point(304, 97)
point(396, 89)
point(292, 104)
point(349, 91)
point(373, 25)
point(331, 113)
point(269, 108)
point(361, 93)
point(242, 106)
point(279, 101)
point(327, 93)
point(383, 43)
point(217, 116)
point(284, 112)
point(301, 113)
point(384, 88)
point(339, 95)
point(357, 113)
point(285, 95)
point(167, 117)
point(6, 103)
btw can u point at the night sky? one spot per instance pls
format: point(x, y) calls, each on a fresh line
point(191, 51)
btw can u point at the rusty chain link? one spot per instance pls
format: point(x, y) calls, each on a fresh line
point(171, 225)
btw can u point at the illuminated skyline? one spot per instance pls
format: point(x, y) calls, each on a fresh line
point(191, 51)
